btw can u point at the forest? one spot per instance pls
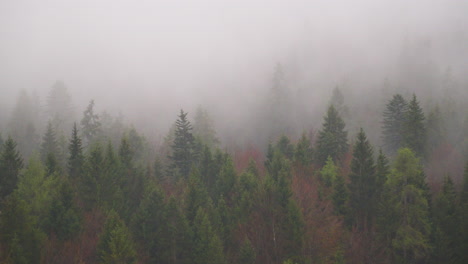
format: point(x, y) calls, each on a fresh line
point(233, 132)
point(96, 190)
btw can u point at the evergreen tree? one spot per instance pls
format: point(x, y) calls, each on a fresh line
point(92, 178)
point(304, 152)
point(208, 248)
point(178, 234)
point(329, 172)
point(203, 128)
point(49, 143)
point(363, 182)
point(409, 210)
point(59, 107)
point(76, 159)
point(115, 244)
point(340, 196)
point(11, 163)
point(90, 124)
point(247, 253)
point(183, 146)
point(462, 247)
point(332, 139)
point(415, 134)
point(285, 147)
point(394, 119)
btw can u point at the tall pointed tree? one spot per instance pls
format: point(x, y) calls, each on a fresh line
point(90, 124)
point(182, 148)
point(332, 140)
point(415, 133)
point(49, 143)
point(363, 181)
point(394, 119)
point(11, 163)
point(76, 158)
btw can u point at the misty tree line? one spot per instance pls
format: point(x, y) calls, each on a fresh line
point(95, 191)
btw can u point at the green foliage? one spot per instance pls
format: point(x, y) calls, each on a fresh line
point(332, 139)
point(227, 179)
point(304, 151)
point(415, 133)
point(183, 146)
point(49, 144)
point(285, 147)
point(394, 119)
point(92, 178)
point(329, 172)
point(340, 196)
point(90, 124)
point(203, 129)
point(76, 158)
point(363, 183)
point(115, 243)
point(11, 163)
point(208, 248)
point(247, 253)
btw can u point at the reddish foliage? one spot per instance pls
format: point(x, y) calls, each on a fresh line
point(243, 156)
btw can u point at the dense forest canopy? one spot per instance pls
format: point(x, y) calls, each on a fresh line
point(251, 132)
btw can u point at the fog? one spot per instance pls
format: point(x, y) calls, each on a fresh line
point(148, 59)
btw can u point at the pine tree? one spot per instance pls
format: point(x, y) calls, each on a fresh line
point(208, 247)
point(11, 163)
point(285, 147)
point(304, 152)
point(340, 196)
point(415, 134)
point(394, 119)
point(49, 143)
point(92, 179)
point(183, 146)
point(362, 184)
point(115, 243)
point(76, 159)
point(90, 124)
point(332, 139)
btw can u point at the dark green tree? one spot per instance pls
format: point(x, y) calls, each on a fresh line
point(304, 151)
point(415, 133)
point(332, 139)
point(340, 196)
point(183, 146)
point(247, 254)
point(394, 119)
point(285, 147)
point(11, 163)
point(208, 248)
point(90, 124)
point(76, 158)
point(92, 180)
point(363, 181)
point(462, 247)
point(49, 143)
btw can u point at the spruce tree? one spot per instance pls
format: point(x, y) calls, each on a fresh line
point(11, 163)
point(332, 139)
point(76, 158)
point(394, 119)
point(90, 124)
point(363, 181)
point(49, 143)
point(183, 146)
point(208, 248)
point(340, 196)
point(285, 147)
point(304, 152)
point(415, 134)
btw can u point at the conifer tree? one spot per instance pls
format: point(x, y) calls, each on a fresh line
point(304, 152)
point(183, 146)
point(415, 134)
point(90, 124)
point(340, 196)
point(76, 158)
point(285, 147)
point(204, 130)
point(394, 119)
point(49, 143)
point(11, 163)
point(363, 182)
point(208, 248)
point(92, 178)
point(329, 172)
point(332, 139)
point(247, 253)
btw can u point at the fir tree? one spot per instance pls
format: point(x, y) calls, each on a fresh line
point(415, 133)
point(340, 196)
point(394, 119)
point(76, 159)
point(90, 124)
point(11, 163)
point(304, 152)
point(49, 143)
point(332, 139)
point(363, 182)
point(285, 147)
point(208, 248)
point(182, 148)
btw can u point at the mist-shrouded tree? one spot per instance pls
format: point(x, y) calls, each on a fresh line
point(11, 163)
point(394, 119)
point(76, 158)
point(183, 146)
point(203, 128)
point(49, 144)
point(90, 124)
point(363, 181)
point(337, 100)
point(332, 139)
point(415, 133)
point(59, 107)
point(285, 147)
point(304, 152)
